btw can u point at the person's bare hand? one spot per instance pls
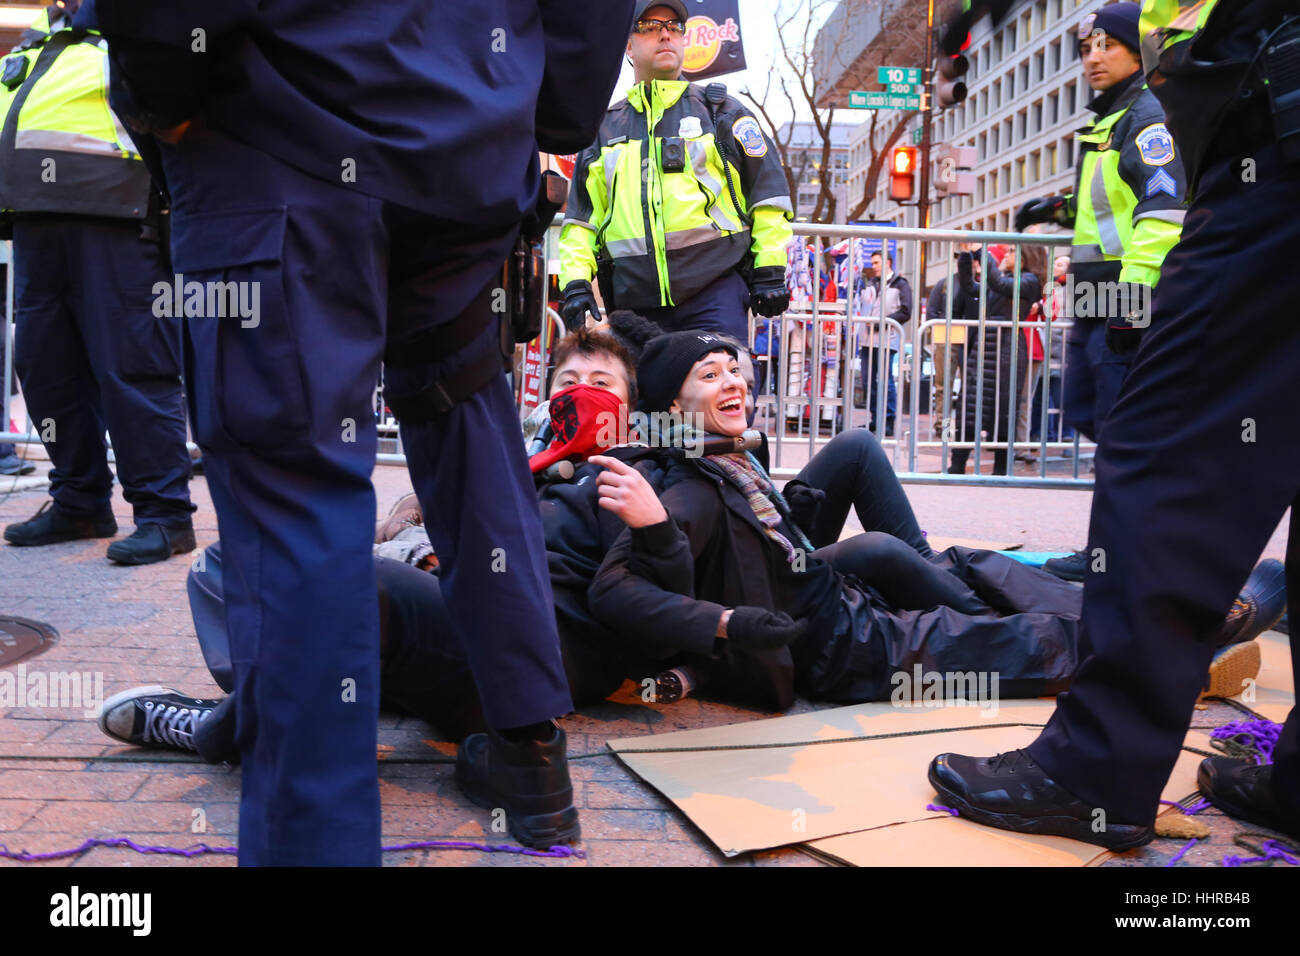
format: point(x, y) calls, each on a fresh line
point(624, 491)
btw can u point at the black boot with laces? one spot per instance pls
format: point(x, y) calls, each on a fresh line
point(1010, 791)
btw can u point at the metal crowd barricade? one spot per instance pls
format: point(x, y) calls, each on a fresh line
point(809, 371)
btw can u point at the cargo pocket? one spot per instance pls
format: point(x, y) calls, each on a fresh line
point(242, 350)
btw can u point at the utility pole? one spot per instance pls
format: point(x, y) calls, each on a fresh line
point(923, 201)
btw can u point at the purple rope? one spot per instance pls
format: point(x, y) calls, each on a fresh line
point(197, 849)
point(935, 806)
point(1271, 852)
point(1261, 734)
point(23, 856)
point(1183, 852)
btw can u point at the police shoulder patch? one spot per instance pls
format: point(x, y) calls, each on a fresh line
point(749, 136)
point(1155, 145)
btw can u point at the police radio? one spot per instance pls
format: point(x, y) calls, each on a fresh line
point(525, 270)
point(1281, 56)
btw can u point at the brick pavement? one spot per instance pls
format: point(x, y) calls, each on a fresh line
point(61, 781)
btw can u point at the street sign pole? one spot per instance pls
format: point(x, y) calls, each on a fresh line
point(923, 208)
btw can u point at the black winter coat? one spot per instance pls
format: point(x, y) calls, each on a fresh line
point(662, 590)
point(996, 410)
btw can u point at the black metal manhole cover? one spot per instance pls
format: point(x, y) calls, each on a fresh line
point(20, 638)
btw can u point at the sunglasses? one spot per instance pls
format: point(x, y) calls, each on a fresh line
point(675, 27)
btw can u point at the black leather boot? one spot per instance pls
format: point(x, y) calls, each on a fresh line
point(1011, 792)
point(50, 526)
point(151, 543)
point(529, 779)
point(1245, 791)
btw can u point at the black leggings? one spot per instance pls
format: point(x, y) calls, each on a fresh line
point(892, 556)
point(854, 470)
point(901, 576)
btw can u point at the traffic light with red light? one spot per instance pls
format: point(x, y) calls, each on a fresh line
point(902, 173)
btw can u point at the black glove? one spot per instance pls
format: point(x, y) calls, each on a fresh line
point(804, 501)
point(1124, 330)
point(759, 628)
point(1046, 209)
point(768, 294)
point(578, 301)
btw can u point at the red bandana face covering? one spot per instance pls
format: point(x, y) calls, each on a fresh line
point(585, 420)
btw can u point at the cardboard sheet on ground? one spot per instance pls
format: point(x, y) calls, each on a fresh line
point(760, 797)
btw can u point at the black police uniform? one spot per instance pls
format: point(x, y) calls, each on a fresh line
point(366, 167)
point(1195, 469)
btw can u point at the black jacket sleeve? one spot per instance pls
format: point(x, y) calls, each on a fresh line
point(645, 589)
point(903, 314)
point(584, 52)
point(1004, 284)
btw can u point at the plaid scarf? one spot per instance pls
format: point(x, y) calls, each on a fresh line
point(747, 475)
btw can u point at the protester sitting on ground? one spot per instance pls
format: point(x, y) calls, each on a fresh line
point(722, 562)
point(424, 672)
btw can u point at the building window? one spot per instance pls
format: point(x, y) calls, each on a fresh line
point(1011, 85)
point(997, 94)
point(1069, 152)
point(1006, 133)
point(1051, 159)
point(1038, 116)
point(1039, 60)
point(1071, 91)
point(984, 146)
point(1011, 38)
point(1053, 109)
point(1020, 125)
point(1056, 57)
point(1035, 166)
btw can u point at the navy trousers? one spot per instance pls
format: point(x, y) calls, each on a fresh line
point(722, 306)
point(1093, 376)
point(1194, 471)
point(92, 354)
point(281, 405)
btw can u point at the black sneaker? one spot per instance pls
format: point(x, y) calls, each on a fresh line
point(50, 526)
point(1245, 791)
point(529, 779)
point(154, 717)
point(1259, 606)
point(151, 543)
point(1072, 567)
point(1011, 792)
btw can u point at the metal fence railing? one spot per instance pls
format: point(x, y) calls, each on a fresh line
point(963, 390)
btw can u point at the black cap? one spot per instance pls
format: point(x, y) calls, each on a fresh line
point(668, 359)
point(679, 6)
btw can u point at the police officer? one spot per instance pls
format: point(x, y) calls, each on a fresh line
point(92, 350)
point(680, 208)
point(366, 169)
point(1127, 212)
point(1193, 471)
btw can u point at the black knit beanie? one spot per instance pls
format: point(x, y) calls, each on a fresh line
point(1119, 20)
point(667, 360)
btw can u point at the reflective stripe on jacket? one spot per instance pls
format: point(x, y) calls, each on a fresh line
point(62, 149)
point(1129, 195)
point(670, 234)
